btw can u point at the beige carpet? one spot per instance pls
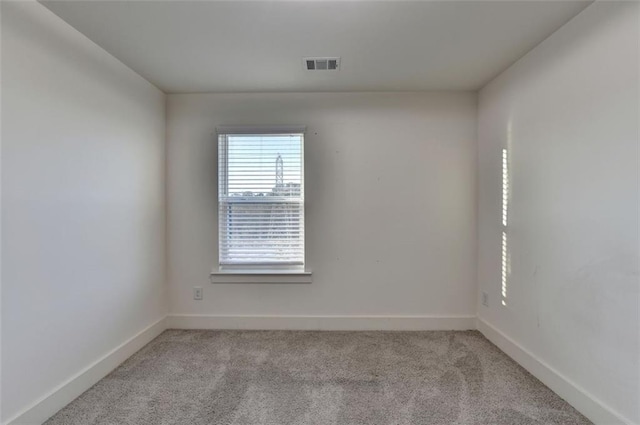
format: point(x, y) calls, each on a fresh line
point(323, 378)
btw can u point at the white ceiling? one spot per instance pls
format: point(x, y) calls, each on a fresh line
point(203, 46)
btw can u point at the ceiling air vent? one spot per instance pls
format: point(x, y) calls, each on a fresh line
point(321, 64)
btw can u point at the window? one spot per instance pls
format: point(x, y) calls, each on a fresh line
point(261, 199)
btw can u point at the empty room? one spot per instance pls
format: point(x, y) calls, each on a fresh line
point(319, 212)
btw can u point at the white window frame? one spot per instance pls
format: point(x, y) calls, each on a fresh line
point(293, 272)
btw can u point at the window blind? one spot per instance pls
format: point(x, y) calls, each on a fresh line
point(261, 199)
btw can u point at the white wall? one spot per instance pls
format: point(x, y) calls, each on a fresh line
point(568, 113)
point(82, 203)
point(390, 203)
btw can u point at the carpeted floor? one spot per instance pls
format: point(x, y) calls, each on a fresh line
point(323, 378)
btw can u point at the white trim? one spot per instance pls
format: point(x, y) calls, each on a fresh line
point(260, 276)
point(66, 392)
point(326, 323)
point(594, 409)
point(267, 129)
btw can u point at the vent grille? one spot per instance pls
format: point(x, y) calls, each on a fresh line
point(321, 64)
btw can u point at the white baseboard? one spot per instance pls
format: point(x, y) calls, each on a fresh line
point(585, 403)
point(325, 323)
point(48, 405)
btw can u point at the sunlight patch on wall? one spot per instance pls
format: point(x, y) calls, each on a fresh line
point(505, 211)
point(505, 271)
point(505, 187)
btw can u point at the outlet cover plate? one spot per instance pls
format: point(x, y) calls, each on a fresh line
point(197, 293)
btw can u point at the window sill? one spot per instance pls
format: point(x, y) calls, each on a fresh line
point(260, 276)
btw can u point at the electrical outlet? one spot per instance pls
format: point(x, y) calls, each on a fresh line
point(197, 293)
point(485, 299)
